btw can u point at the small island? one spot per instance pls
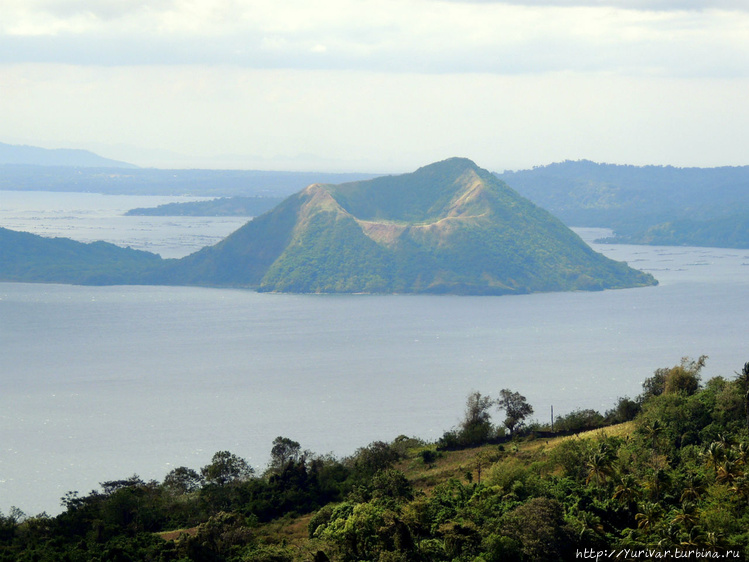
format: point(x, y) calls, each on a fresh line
point(219, 207)
point(447, 228)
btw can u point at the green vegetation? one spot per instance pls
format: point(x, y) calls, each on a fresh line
point(670, 475)
point(724, 232)
point(221, 207)
point(644, 204)
point(30, 258)
point(450, 227)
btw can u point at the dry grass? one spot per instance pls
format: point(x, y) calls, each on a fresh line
point(287, 530)
point(174, 535)
point(457, 464)
point(618, 430)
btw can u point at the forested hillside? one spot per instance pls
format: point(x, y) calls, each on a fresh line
point(31, 258)
point(665, 472)
point(724, 232)
point(632, 199)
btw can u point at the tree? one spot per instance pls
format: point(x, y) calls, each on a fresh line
point(540, 529)
point(183, 480)
point(685, 377)
point(743, 379)
point(600, 465)
point(284, 451)
point(516, 409)
point(367, 461)
point(476, 426)
point(649, 517)
point(226, 467)
point(627, 491)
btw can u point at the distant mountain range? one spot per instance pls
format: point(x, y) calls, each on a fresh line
point(450, 227)
point(35, 156)
point(152, 181)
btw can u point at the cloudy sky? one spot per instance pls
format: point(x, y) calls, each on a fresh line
point(378, 85)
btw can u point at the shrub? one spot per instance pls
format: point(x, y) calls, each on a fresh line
point(579, 420)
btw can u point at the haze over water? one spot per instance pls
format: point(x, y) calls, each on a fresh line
point(98, 383)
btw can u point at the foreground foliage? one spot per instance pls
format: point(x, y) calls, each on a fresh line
point(674, 477)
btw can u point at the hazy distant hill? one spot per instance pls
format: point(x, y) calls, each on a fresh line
point(632, 198)
point(31, 258)
point(725, 232)
point(32, 155)
point(221, 207)
point(152, 181)
point(450, 227)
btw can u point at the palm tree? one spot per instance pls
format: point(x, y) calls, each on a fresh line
point(660, 480)
point(652, 431)
point(695, 537)
point(694, 487)
point(649, 517)
point(627, 491)
point(600, 467)
point(714, 540)
point(714, 454)
point(742, 452)
point(687, 516)
point(728, 471)
point(724, 439)
point(590, 526)
point(740, 485)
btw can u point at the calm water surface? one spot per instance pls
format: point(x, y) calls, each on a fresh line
point(88, 217)
point(98, 383)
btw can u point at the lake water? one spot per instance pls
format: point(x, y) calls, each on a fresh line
point(98, 383)
point(88, 217)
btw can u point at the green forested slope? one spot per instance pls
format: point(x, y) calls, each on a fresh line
point(632, 198)
point(644, 204)
point(725, 232)
point(31, 258)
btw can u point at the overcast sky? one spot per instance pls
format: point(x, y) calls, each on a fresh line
point(378, 85)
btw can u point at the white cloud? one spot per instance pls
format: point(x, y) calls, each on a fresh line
point(642, 5)
point(423, 36)
point(379, 85)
